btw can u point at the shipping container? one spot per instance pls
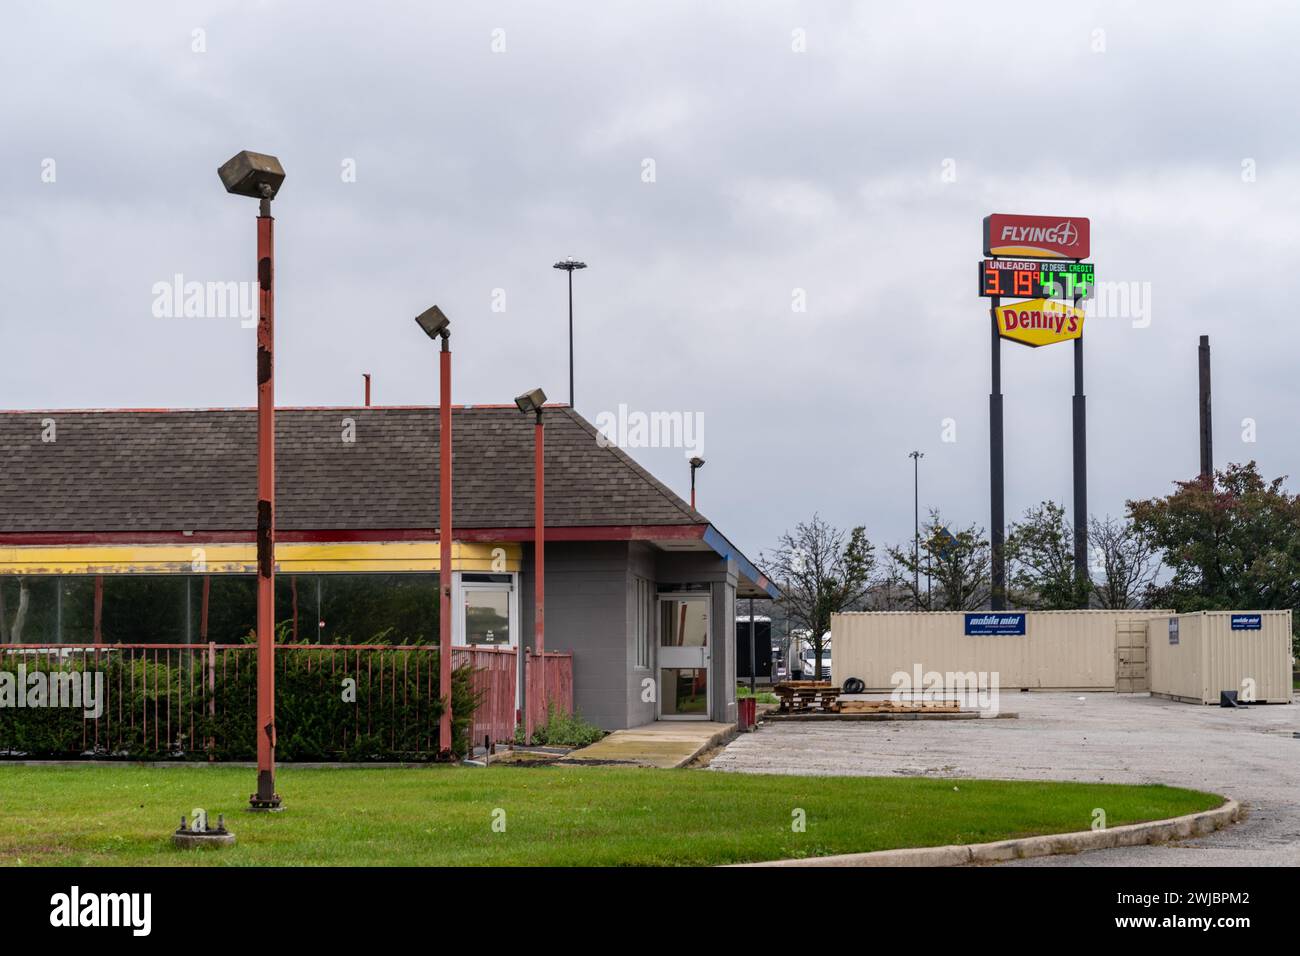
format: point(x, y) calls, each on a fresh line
point(1080, 650)
point(1195, 657)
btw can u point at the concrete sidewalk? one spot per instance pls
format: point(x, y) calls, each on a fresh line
point(663, 744)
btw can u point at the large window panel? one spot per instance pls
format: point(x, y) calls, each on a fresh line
point(150, 609)
point(379, 608)
point(30, 609)
point(232, 608)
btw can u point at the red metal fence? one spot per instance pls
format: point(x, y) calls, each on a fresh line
point(559, 685)
point(155, 695)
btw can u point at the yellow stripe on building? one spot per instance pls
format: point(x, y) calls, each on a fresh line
point(291, 558)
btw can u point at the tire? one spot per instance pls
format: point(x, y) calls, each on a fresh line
point(854, 685)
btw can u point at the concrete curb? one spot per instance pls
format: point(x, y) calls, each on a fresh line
point(1133, 834)
point(717, 740)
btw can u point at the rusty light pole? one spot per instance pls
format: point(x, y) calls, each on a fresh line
point(259, 176)
point(533, 402)
point(437, 326)
point(696, 464)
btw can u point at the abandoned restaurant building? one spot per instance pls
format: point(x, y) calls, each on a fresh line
point(138, 526)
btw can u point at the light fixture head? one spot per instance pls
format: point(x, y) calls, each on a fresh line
point(434, 323)
point(252, 174)
point(531, 401)
point(697, 462)
point(569, 264)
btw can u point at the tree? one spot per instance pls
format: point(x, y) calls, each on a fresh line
point(1128, 563)
point(956, 565)
point(1232, 541)
point(1040, 558)
point(823, 571)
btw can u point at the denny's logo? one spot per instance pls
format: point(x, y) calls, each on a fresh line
point(1039, 322)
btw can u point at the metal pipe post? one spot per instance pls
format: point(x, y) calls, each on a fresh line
point(1207, 436)
point(539, 536)
point(1080, 473)
point(444, 548)
point(571, 405)
point(265, 798)
point(997, 517)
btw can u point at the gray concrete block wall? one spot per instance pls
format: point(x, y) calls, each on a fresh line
point(591, 611)
point(641, 564)
point(586, 613)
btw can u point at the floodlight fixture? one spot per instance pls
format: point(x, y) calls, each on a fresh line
point(434, 323)
point(531, 401)
point(256, 175)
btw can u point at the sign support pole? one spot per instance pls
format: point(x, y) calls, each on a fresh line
point(997, 521)
point(1080, 471)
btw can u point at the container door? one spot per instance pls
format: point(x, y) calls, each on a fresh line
point(1131, 657)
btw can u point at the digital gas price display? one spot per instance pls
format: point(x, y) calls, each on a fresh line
point(1034, 279)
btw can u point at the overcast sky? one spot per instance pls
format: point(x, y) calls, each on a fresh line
point(849, 151)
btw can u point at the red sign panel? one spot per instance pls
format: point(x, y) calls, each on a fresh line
point(1047, 237)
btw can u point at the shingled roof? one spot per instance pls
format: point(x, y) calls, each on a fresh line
point(158, 471)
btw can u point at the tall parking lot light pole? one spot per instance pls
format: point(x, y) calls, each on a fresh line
point(534, 401)
point(569, 265)
point(438, 326)
point(259, 176)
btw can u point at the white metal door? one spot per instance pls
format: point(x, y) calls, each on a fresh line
point(685, 692)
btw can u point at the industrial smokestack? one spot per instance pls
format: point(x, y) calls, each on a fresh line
point(366, 376)
point(1207, 442)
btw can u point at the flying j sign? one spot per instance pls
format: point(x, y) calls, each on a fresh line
point(1039, 322)
point(1048, 237)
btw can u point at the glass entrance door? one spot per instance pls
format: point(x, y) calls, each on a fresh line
point(684, 657)
point(488, 620)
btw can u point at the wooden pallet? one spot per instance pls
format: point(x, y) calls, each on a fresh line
point(807, 695)
point(893, 707)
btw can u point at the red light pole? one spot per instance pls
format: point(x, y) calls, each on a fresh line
point(438, 326)
point(696, 464)
point(533, 402)
point(259, 176)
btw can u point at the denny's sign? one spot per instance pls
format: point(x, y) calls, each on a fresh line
point(1039, 322)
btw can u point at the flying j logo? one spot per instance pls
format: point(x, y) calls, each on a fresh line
point(1051, 237)
point(1039, 322)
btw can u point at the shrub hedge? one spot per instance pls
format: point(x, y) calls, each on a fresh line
point(394, 714)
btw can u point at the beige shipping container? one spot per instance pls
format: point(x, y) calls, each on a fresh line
point(1060, 650)
point(1193, 657)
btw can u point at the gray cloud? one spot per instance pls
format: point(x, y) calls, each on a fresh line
point(776, 171)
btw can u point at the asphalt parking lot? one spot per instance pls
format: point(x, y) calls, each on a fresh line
point(1249, 754)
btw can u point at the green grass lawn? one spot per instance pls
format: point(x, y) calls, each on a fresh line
point(440, 815)
point(763, 696)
